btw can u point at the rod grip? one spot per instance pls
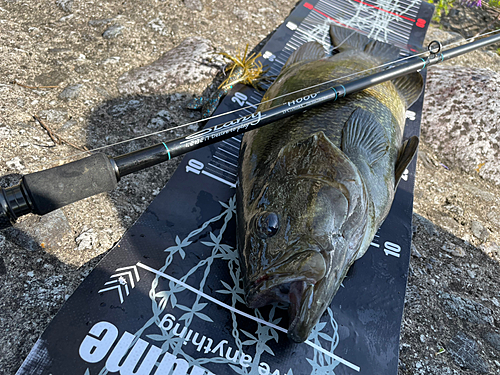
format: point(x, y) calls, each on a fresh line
point(6, 215)
point(53, 188)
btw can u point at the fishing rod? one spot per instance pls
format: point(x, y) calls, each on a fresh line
point(47, 190)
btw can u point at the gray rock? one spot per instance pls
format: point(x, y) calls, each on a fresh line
point(5, 133)
point(15, 164)
point(465, 133)
point(158, 25)
point(55, 115)
point(127, 107)
point(425, 159)
point(82, 69)
point(181, 65)
point(449, 224)
point(23, 125)
point(58, 50)
point(103, 92)
point(65, 5)
point(472, 274)
point(480, 193)
point(52, 78)
point(161, 119)
point(454, 249)
point(113, 31)
point(3, 269)
point(415, 252)
point(86, 240)
point(66, 18)
point(494, 217)
point(35, 232)
point(466, 309)
point(490, 248)
point(479, 230)
point(455, 209)
point(426, 224)
point(100, 22)
point(112, 60)
point(446, 37)
point(493, 339)
point(465, 353)
point(466, 19)
point(68, 125)
point(241, 14)
point(193, 5)
point(71, 92)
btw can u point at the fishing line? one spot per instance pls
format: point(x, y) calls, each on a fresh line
point(89, 152)
point(99, 172)
point(355, 74)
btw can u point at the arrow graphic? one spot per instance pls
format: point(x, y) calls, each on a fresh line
point(122, 278)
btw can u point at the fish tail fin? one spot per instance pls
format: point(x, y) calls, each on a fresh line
point(345, 39)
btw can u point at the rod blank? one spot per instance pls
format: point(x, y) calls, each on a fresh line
point(45, 191)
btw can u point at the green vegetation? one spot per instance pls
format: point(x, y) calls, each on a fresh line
point(443, 7)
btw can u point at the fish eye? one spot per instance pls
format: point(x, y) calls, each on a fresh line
point(267, 225)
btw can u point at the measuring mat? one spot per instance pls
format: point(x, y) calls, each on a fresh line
point(168, 298)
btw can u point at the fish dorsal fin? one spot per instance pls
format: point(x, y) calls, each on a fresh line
point(410, 86)
point(307, 51)
point(406, 154)
point(364, 136)
point(347, 39)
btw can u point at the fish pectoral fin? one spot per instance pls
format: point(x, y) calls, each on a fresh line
point(307, 51)
point(406, 154)
point(410, 86)
point(364, 136)
point(344, 39)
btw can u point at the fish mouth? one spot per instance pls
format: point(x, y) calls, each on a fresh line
point(272, 284)
point(281, 291)
point(301, 301)
point(293, 282)
point(298, 294)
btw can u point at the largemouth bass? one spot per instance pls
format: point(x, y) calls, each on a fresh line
point(314, 188)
